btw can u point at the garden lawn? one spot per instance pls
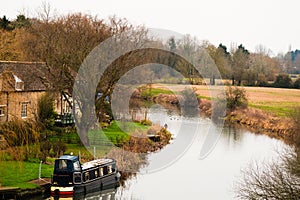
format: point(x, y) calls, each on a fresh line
point(116, 133)
point(18, 174)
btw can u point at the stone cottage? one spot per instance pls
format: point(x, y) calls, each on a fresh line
point(21, 86)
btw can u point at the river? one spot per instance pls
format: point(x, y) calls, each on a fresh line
point(187, 176)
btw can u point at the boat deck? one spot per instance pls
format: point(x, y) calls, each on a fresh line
point(95, 163)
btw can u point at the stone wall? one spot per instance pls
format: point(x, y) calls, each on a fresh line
point(19, 104)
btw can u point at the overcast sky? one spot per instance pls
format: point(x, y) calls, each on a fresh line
point(272, 23)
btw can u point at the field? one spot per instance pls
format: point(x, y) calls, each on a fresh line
point(278, 101)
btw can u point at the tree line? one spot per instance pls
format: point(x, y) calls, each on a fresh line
point(64, 42)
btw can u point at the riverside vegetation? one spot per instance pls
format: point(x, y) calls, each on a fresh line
point(29, 142)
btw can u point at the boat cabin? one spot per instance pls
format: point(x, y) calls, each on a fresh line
point(70, 176)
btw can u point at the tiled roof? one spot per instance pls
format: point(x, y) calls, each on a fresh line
point(35, 75)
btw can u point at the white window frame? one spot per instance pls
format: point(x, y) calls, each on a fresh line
point(2, 110)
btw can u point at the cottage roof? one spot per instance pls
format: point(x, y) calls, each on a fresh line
point(34, 75)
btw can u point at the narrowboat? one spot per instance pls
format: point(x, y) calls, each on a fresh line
point(71, 178)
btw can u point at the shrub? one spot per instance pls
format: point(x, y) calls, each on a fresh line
point(46, 113)
point(283, 81)
point(236, 97)
point(146, 122)
point(45, 148)
point(19, 132)
point(59, 148)
point(295, 116)
point(190, 103)
point(297, 84)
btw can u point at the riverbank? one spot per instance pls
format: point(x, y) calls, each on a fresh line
point(16, 176)
point(268, 111)
point(256, 121)
point(41, 192)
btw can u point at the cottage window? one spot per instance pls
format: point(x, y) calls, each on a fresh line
point(19, 84)
point(24, 110)
point(2, 110)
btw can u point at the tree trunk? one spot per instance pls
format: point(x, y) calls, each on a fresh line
point(83, 133)
point(239, 82)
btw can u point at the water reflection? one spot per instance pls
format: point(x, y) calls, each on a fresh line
point(108, 194)
point(192, 178)
point(233, 135)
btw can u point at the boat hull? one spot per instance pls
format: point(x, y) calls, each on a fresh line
point(103, 183)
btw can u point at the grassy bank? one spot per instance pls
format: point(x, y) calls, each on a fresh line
point(280, 109)
point(153, 91)
point(18, 174)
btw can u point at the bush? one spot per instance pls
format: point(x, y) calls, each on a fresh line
point(295, 116)
point(19, 132)
point(146, 122)
point(45, 148)
point(283, 81)
point(46, 113)
point(59, 148)
point(297, 84)
point(236, 97)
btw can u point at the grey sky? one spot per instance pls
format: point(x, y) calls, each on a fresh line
point(272, 23)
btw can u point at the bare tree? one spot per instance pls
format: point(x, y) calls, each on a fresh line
point(275, 180)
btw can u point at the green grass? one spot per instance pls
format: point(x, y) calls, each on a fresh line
point(114, 135)
point(204, 97)
point(281, 109)
point(18, 174)
point(155, 92)
point(117, 132)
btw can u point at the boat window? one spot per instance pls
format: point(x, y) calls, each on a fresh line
point(87, 176)
point(105, 172)
point(77, 177)
point(77, 166)
point(96, 173)
point(62, 165)
point(101, 171)
point(109, 169)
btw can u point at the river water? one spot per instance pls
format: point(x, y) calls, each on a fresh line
point(179, 172)
point(186, 175)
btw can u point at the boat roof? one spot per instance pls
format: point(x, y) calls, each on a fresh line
point(95, 163)
point(68, 157)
